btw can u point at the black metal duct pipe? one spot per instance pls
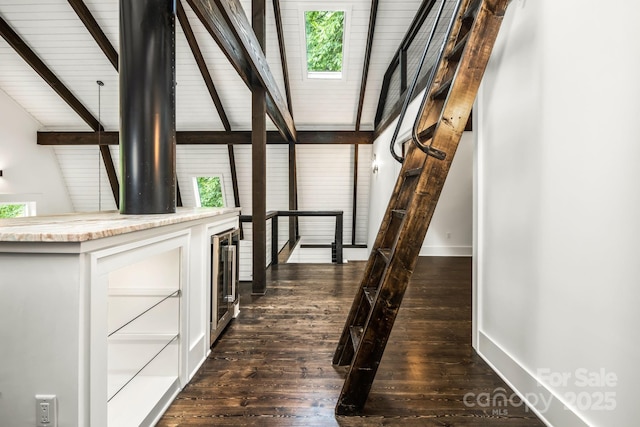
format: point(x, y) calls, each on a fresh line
point(147, 107)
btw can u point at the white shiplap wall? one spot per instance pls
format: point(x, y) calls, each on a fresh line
point(277, 197)
point(364, 187)
point(325, 182)
point(79, 167)
point(203, 160)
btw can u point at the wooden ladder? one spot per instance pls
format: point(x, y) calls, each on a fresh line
point(440, 123)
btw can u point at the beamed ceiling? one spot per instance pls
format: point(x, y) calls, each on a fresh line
point(57, 34)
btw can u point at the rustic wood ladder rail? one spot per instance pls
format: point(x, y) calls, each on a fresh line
point(397, 245)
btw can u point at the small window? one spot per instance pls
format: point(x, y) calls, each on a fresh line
point(208, 190)
point(324, 35)
point(15, 210)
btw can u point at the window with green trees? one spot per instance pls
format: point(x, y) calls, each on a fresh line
point(12, 210)
point(324, 36)
point(209, 191)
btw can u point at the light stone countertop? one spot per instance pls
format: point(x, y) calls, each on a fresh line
point(81, 227)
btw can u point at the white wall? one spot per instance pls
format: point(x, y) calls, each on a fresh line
point(450, 231)
point(325, 182)
point(557, 209)
point(30, 171)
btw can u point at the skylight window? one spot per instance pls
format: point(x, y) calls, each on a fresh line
point(324, 37)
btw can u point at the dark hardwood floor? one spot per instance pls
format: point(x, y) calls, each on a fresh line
point(272, 366)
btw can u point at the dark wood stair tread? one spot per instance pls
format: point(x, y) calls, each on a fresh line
point(400, 213)
point(356, 335)
point(370, 294)
point(443, 90)
point(427, 134)
point(413, 172)
point(386, 254)
point(470, 13)
point(456, 52)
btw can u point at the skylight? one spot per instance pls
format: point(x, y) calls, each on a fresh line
point(324, 36)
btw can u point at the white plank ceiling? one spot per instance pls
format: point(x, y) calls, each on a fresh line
point(54, 32)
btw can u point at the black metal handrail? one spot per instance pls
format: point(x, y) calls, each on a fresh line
point(414, 82)
point(399, 60)
point(414, 133)
point(274, 215)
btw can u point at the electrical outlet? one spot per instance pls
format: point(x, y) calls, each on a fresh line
point(46, 410)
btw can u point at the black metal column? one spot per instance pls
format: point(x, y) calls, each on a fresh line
point(147, 107)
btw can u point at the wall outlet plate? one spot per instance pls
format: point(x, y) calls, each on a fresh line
point(46, 410)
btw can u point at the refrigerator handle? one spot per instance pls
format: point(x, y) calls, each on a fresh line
point(230, 274)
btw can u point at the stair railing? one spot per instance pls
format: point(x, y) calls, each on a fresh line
point(427, 149)
point(414, 82)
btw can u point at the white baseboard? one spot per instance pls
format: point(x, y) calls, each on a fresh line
point(542, 401)
point(461, 251)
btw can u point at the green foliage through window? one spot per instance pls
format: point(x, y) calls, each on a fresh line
point(210, 190)
point(324, 30)
point(11, 210)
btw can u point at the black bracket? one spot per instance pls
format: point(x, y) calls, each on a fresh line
point(434, 152)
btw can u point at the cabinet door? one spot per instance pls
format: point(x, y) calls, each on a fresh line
point(140, 329)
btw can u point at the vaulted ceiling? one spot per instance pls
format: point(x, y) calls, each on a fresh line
point(55, 33)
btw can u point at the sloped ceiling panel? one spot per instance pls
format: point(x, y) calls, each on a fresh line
point(234, 94)
point(66, 47)
point(52, 29)
point(318, 102)
point(394, 18)
point(195, 109)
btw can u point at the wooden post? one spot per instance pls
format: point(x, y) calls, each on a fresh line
point(259, 161)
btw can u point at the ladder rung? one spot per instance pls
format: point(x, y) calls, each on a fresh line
point(386, 254)
point(471, 10)
point(400, 213)
point(356, 335)
point(427, 134)
point(443, 90)
point(413, 172)
point(370, 294)
point(456, 52)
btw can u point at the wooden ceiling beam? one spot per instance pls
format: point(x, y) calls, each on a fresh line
point(293, 176)
point(202, 65)
point(283, 53)
point(212, 137)
point(111, 172)
point(96, 32)
point(367, 58)
point(47, 75)
point(52, 80)
point(227, 23)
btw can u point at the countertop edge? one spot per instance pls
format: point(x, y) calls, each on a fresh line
point(82, 227)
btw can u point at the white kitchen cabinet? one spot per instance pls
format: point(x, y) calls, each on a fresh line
point(105, 311)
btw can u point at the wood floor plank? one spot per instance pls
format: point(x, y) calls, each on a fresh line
point(272, 366)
